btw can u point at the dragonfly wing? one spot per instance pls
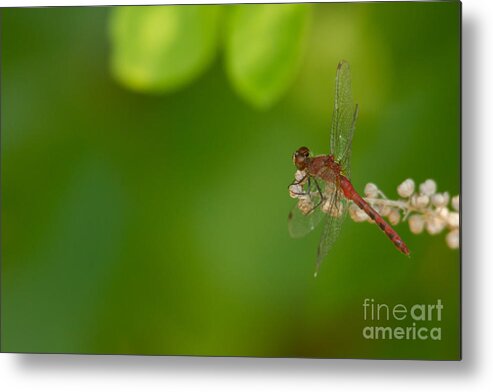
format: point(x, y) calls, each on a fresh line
point(344, 115)
point(306, 214)
point(300, 224)
point(335, 216)
point(345, 160)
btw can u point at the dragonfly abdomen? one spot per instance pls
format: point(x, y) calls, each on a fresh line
point(350, 193)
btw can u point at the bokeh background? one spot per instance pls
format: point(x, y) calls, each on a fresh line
point(156, 223)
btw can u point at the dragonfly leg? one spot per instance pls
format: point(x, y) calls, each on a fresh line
point(304, 193)
point(320, 193)
point(296, 182)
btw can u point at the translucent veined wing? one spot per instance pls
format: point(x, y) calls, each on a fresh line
point(336, 209)
point(343, 117)
point(345, 160)
point(306, 214)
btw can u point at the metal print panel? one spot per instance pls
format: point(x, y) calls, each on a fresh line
point(266, 180)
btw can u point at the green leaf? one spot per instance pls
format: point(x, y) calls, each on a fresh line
point(158, 49)
point(263, 49)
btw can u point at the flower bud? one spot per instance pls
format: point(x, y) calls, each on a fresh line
point(456, 203)
point(440, 199)
point(394, 216)
point(295, 191)
point(406, 189)
point(326, 206)
point(434, 225)
point(420, 201)
point(453, 239)
point(453, 219)
point(416, 224)
point(305, 205)
point(357, 214)
point(299, 175)
point(371, 190)
point(443, 212)
point(385, 211)
point(429, 187)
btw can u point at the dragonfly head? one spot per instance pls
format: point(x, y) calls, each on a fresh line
point(301, 158)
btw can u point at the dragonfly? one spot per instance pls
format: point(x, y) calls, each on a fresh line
point(322, 183)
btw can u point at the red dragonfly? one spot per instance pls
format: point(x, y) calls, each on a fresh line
point(322, 184)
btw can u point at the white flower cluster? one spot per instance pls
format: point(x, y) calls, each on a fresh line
point(309, 199)
point(423, 208)
point(305, 199)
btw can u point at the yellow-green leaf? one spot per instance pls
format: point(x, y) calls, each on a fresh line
point(162, 48)
point(264, 49)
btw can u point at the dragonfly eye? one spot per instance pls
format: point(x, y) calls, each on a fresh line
point(300, 158)
point(304, 151)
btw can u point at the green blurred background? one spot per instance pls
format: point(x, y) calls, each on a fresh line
point(137, 223)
